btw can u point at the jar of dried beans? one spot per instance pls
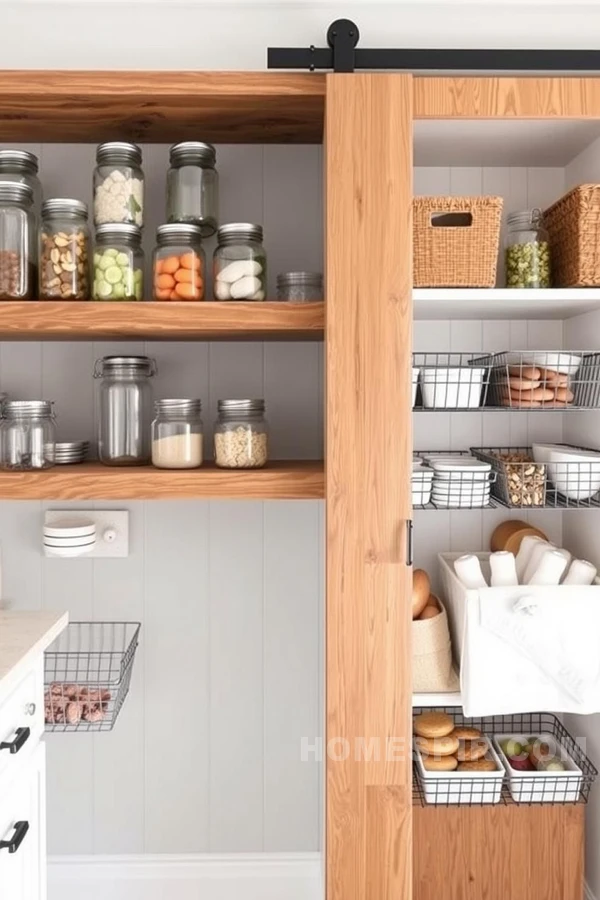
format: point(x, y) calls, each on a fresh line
point(241, 434)
point(64, 251)
point(18, 257)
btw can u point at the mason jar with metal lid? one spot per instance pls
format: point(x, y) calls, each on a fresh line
point(27, 434)
point(527, 251)
point(193, 186)
point(124, 409)
point(240, 263)
point(118, 263)
point(18, 244)
point(22, 167)
point(241, 434)
point(300, 287)
point(177, 434)
point(179, 263)
point(118, 184)
point(64, 250)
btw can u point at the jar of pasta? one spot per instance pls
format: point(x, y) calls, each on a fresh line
point(241, 434)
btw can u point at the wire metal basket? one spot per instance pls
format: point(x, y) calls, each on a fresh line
point(445, 381)
point(87, 672)
point(560, 483)
point(452, 489)
point(566, 787)
point(542, 380)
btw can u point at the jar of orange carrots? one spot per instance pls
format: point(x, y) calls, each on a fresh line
point(179, 264)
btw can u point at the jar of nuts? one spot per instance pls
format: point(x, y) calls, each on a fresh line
point(18, 256)
point(118, 263)
point(118, 184)
point(64, 251)
point(527, 251)
point(241, 435)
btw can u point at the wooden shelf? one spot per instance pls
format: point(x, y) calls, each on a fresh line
point(503, 303)
point(70, 321)
point(92, 481)
point(161, 107)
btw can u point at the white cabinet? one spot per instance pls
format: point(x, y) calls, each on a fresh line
point(23, 830)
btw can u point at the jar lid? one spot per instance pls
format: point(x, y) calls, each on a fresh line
point(235, 406)
point(142, 364)
point(116, 230)
point(183, 231)
point(193, 153)
point(15, 192)
point(314, 279)
point(14, 409)
point(179, 407)
point(525, 218)
point(239, 231)
point(19, 160)
point(61, 206)
point(117, 152)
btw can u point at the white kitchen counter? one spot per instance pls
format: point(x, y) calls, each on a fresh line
point(23, 638)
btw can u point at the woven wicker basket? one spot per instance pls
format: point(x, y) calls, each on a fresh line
point(461, 255)
point(573, 224)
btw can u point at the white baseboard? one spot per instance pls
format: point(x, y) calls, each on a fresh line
point(223, 876)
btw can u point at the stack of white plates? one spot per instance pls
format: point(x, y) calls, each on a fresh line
point(460, 482)
point(422, 481)
point(69, 537)
point(70, 452)
point(415, 384)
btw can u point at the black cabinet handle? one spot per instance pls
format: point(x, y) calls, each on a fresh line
point(21, 829)
point(21, 736)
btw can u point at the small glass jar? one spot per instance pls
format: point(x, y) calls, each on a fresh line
point(193, 186)
point(179, 264)
point(27, 435)
point(64, 251)
point(22, 167)
point(18, 243)
point(240, 263)
point(300, 287)
point(124, 409)
point(527, 251)
point(241, 434)
point(118, 263)
point(118, 184)
point(177, 434)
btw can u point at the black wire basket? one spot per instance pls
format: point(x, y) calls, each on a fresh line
point(87, 673)
point(527, 788)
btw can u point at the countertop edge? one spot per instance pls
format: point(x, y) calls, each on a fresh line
point(16, 661)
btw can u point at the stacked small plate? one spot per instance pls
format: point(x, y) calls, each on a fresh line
point(69, 537)
point(71, 452)
point(460, 482)
point(422, 481)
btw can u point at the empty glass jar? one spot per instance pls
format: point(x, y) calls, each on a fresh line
point(300, 287)
point(118, 184)
point(177, 434)
point(125, 409)
point(27, 434)
point(64, 251)
point(18, 242)
point(21, 167)
point(527, 251)
point(193, 186)
point(179, 263)
point(240, 263)
point(118, 263)
point(241, 434)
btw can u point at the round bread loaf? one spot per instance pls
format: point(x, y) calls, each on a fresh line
point(433, 724)
point(438, 746)
point(439, 764)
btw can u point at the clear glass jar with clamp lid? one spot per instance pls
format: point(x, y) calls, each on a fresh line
point(527, 251)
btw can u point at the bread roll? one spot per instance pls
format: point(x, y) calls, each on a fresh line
point(531, 373)
point(522, 384)
point(554, 379)
point(421, 591)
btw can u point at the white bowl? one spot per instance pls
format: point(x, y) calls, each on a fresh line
point(452, 388)
point(574, 474)
point(565, 363)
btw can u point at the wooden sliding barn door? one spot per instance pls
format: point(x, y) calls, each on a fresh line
point(368, 171)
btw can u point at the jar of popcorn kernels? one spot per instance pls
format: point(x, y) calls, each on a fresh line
point(241, 434)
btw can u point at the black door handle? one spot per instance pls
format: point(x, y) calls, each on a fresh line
point(21, 829)
point(21, 736)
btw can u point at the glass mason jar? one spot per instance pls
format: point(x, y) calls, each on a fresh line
point(124, 409)
point(118, 263)
point(22, 167)
point(18, 244)
point(177, 434)
point(300, 287)
point(118, 184)
point(179, 264)
point(240, 263)
point(193, 186)
point(64, 251)
point(527, 251)
point(27, 434)
point(241, 434)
